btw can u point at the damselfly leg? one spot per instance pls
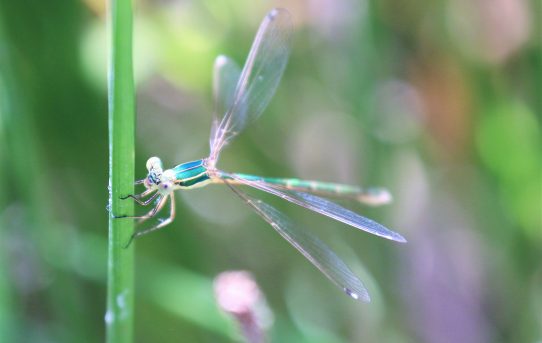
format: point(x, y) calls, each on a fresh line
point(152, 213)
point(137, 197)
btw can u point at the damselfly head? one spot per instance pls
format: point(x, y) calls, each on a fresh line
point(154, 178)
point(154, 163)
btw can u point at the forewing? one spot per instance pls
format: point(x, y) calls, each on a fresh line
point(309, 246)
point(323, 206)
point(259, 78)
point(225, 78)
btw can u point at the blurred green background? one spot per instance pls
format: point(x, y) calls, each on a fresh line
point(438, 101)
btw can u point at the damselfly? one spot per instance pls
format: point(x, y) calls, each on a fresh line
point(240, 97)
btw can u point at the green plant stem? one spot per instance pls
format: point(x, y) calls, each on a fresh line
point(120, 286)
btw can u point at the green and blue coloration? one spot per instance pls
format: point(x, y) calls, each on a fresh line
point(240, 98)
point(191, 174)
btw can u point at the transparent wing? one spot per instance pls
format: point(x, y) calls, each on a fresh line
point(259, 79)
point(309, 246)
point(225, 78)
point(322, 206)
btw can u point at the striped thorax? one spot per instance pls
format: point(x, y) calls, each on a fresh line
point(184, 176)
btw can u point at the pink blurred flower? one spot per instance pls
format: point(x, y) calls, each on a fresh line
point(238, 294)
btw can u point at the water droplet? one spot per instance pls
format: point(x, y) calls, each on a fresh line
point(109, 317)
point(122, 305)
point(121, 301)
point(108, 207)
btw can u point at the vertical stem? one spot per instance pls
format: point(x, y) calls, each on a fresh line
point(120, 287)
point(8, 313)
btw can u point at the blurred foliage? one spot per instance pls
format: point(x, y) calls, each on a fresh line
point(439, 101)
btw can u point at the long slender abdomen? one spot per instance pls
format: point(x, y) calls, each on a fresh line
point(371, 196)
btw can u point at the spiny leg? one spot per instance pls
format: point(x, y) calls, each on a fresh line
point(151, 213)
point(137, 198)
point(160, 225)
point(148, 201)
point(164, 222)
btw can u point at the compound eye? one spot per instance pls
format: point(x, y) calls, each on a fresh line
point(154, 163)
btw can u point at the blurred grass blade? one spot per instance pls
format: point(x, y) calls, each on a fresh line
point(120, 287)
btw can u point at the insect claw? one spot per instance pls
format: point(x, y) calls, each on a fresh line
point(130, 241)
point(133, 196)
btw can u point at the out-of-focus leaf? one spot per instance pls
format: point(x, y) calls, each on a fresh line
point(509, 142)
